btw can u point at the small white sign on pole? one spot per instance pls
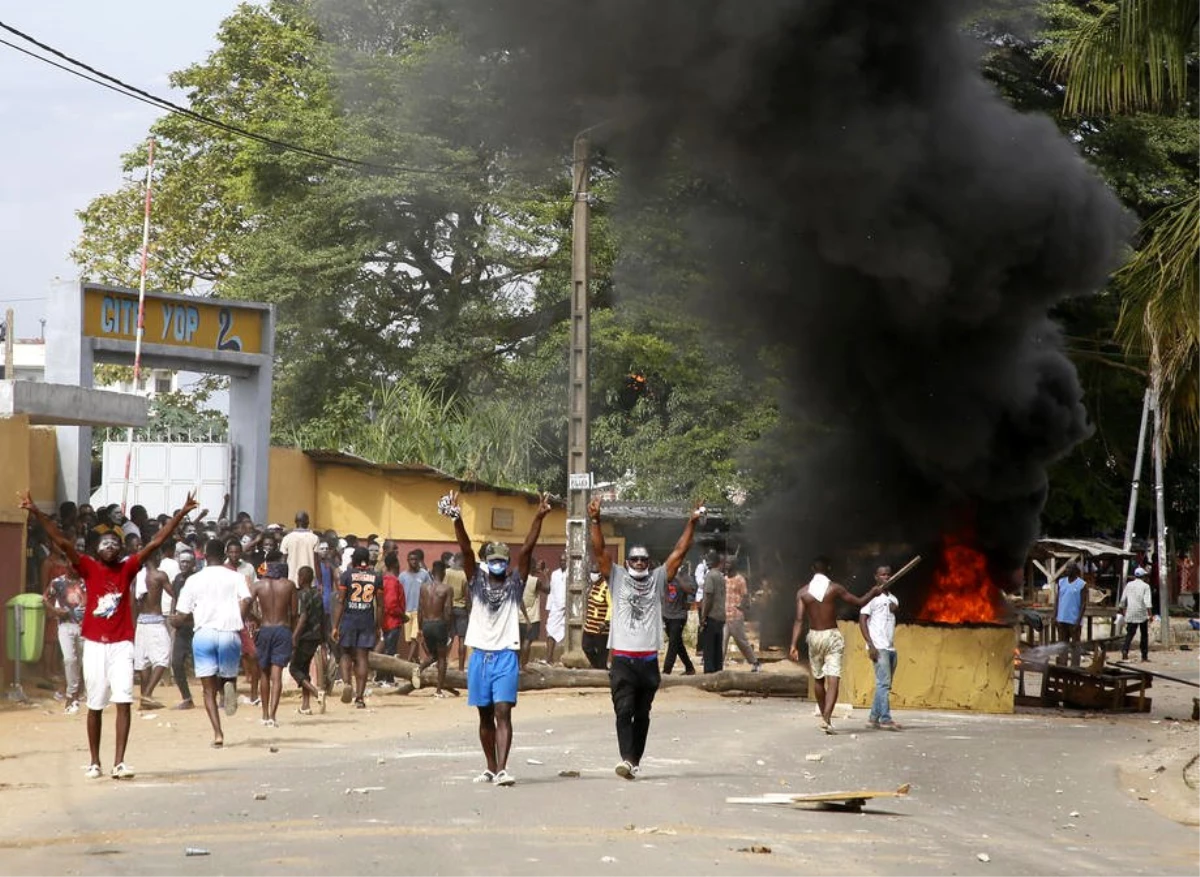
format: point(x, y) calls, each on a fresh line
point(579, 481)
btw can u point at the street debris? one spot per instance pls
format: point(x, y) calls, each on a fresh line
point(568, 773)
point(533, 761)
point(195, 851)
point(983, 857)
point(754, 848)
point(363, 790)
point(814, 756)
point(608, 860)
point(260, 796)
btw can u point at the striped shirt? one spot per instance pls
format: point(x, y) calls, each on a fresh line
point(599, 608)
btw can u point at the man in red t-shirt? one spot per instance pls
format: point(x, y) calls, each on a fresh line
point(395, 612)
point(107, 627)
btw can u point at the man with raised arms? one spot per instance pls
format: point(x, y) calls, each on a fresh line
point(494, 635)
point(107, 628)
point(635, 633)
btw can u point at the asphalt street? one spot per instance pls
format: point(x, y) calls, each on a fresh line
point(1031, 794)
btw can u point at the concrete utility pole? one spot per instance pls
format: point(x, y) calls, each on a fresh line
point(579, 479)
point(1160, 551)
point(1133, 492)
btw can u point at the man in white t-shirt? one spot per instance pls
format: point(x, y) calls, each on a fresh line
point(215, 601)
point(299, 547)
point(877, 621)
point(556, 609)
point(493, 633)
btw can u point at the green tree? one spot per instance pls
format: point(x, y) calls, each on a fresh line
point(1128, 58)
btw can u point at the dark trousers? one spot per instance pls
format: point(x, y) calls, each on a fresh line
point(712, 642)
point(675, 646)
point(180, 653)
point(595, 646)
point(633, 683)
point(391, 642)
point(1144, 642)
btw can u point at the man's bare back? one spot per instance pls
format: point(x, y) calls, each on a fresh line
point(156, 580)
point(821, 614)
point(437, 601)
point(277, 600)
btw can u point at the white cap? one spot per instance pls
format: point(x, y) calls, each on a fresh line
point(1139, 572)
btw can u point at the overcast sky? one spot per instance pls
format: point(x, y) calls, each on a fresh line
point(63, 137)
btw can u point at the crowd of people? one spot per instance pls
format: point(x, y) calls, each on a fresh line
point(140, 597)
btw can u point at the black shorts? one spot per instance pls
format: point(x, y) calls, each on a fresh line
point(274, 645)
point(302, 658)
point(354, 638)
point(461, 617)
point(530, 631)
point(436, 633)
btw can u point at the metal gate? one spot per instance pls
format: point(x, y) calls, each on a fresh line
point(162, 473)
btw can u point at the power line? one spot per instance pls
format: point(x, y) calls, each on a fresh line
point(136, 93)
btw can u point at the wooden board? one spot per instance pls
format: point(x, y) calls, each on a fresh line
point(854, 800)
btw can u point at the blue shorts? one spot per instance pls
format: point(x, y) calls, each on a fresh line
point(216, 652)
point(274, 645)
point(492, 677)
point(352, 638)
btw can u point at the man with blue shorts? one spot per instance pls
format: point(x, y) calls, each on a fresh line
point(493, 634)
point(215, 601)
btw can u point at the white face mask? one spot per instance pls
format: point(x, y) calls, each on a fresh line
point(594, 576)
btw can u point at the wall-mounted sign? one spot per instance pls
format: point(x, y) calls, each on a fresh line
point(179, 321)
point(579, 481)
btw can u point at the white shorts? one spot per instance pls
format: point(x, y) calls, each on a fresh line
point(556, 625)
point(107, 673)
point(151, 646)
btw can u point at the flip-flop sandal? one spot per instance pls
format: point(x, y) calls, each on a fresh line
point(890, 726)
point(359, 703)
point(217, 744)
point(305, 712)
point(321, 702)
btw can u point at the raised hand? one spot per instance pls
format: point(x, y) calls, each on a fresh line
point(699, 511)
point(594, 509)
point(190, 503)
point(543, 508)
point(25, 501)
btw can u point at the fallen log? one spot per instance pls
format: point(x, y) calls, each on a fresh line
point(540, 677)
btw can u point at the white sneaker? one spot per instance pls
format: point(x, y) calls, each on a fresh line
point(626, 770)
point(93, 772)
point(486, 777)
point(71, 708)
point(415, 679)
point(122, 772)
point(504, 778)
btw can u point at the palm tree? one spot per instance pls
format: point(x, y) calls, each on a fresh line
point(1139, 56)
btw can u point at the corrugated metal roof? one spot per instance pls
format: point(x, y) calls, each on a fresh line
point(648, 511)
point(1086, 547)
point(341, 458)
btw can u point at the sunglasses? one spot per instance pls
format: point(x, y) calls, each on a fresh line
point(644, 558)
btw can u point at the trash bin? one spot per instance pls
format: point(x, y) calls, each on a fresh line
point(28, 646)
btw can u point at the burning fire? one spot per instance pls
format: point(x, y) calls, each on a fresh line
point(962, 590)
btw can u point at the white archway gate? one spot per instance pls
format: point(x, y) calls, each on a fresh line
point(92, 323)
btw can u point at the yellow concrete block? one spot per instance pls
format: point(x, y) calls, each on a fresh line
point(937, 667)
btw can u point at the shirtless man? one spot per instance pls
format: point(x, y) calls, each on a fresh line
point(152, 641)
point(818, 599)
point(277, 600)
point(434, 615)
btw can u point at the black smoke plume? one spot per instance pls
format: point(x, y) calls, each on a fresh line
point(875, 214)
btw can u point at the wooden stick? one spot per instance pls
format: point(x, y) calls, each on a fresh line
point(904, 569)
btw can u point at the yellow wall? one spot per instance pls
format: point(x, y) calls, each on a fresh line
point(291, 486)
point(43, 445)
point(956, 668)
point(14, 473)
point(395, 505)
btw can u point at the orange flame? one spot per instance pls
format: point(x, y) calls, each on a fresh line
point(962, 589)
